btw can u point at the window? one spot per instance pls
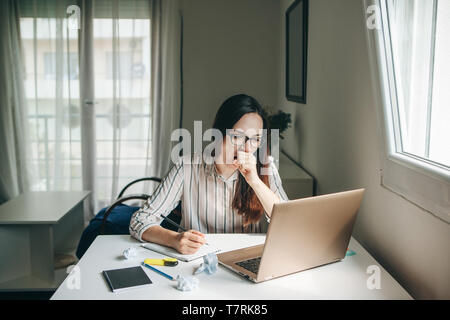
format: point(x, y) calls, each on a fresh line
point(122, 110)
point(70, 60)
point(410, 60)
point(52, 99)
point(126, 64)
point(419, 33)
point(122, 103)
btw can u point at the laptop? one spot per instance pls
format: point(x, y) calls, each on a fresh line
point(302, 234)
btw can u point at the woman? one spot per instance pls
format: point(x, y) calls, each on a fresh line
point(227, 195)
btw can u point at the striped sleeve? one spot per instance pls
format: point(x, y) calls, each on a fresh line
point(162, 201)
point(275, 184)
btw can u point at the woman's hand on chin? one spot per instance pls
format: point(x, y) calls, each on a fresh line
point(246, 164)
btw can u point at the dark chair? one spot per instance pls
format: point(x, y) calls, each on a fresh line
point(115, 219)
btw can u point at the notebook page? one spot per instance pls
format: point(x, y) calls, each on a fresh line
point(204, 250)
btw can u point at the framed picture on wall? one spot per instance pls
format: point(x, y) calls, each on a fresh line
point(296, 50)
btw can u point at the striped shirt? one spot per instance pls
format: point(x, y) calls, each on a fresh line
point(206, 199)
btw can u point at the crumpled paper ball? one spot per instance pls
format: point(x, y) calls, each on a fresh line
point(209, 264)
point(130, 253)
point(187, 283)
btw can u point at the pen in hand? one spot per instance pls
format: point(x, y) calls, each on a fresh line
point(176, 225)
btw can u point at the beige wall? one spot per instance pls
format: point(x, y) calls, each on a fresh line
point(233, 46)
point(335, 137)
point(230, 47)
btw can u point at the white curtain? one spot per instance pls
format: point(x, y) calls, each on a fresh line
point(143, 59)
point(102, 100)
point(51, 58)
point(166, 26)
point(13, 125)
point(87, 96)
point(411, 29)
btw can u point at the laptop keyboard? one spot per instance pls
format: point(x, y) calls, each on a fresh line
point(251, 265)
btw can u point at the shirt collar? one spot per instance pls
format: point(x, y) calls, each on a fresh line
point(211, 169)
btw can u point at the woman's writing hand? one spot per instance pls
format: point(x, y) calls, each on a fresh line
point(246, 163)
point(189, 242)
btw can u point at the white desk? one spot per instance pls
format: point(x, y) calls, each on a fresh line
point(342, 280)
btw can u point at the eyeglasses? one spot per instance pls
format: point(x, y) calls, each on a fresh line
point(239, 139)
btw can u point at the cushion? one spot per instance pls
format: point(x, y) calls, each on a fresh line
point(117, 222)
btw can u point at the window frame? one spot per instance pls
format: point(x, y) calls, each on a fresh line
point(420, 181)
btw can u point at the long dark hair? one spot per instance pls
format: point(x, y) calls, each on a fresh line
point(245, 201)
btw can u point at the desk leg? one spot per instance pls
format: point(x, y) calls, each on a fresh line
point(41, 246)
point(14, 252)
point(68, 230)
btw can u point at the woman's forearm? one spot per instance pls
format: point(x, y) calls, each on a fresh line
point(266, 196)
point(186, 242)
point(160, 235)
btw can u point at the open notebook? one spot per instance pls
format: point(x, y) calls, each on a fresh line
point(203, 251)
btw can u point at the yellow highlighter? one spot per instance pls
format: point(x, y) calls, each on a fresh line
point(168, 262)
